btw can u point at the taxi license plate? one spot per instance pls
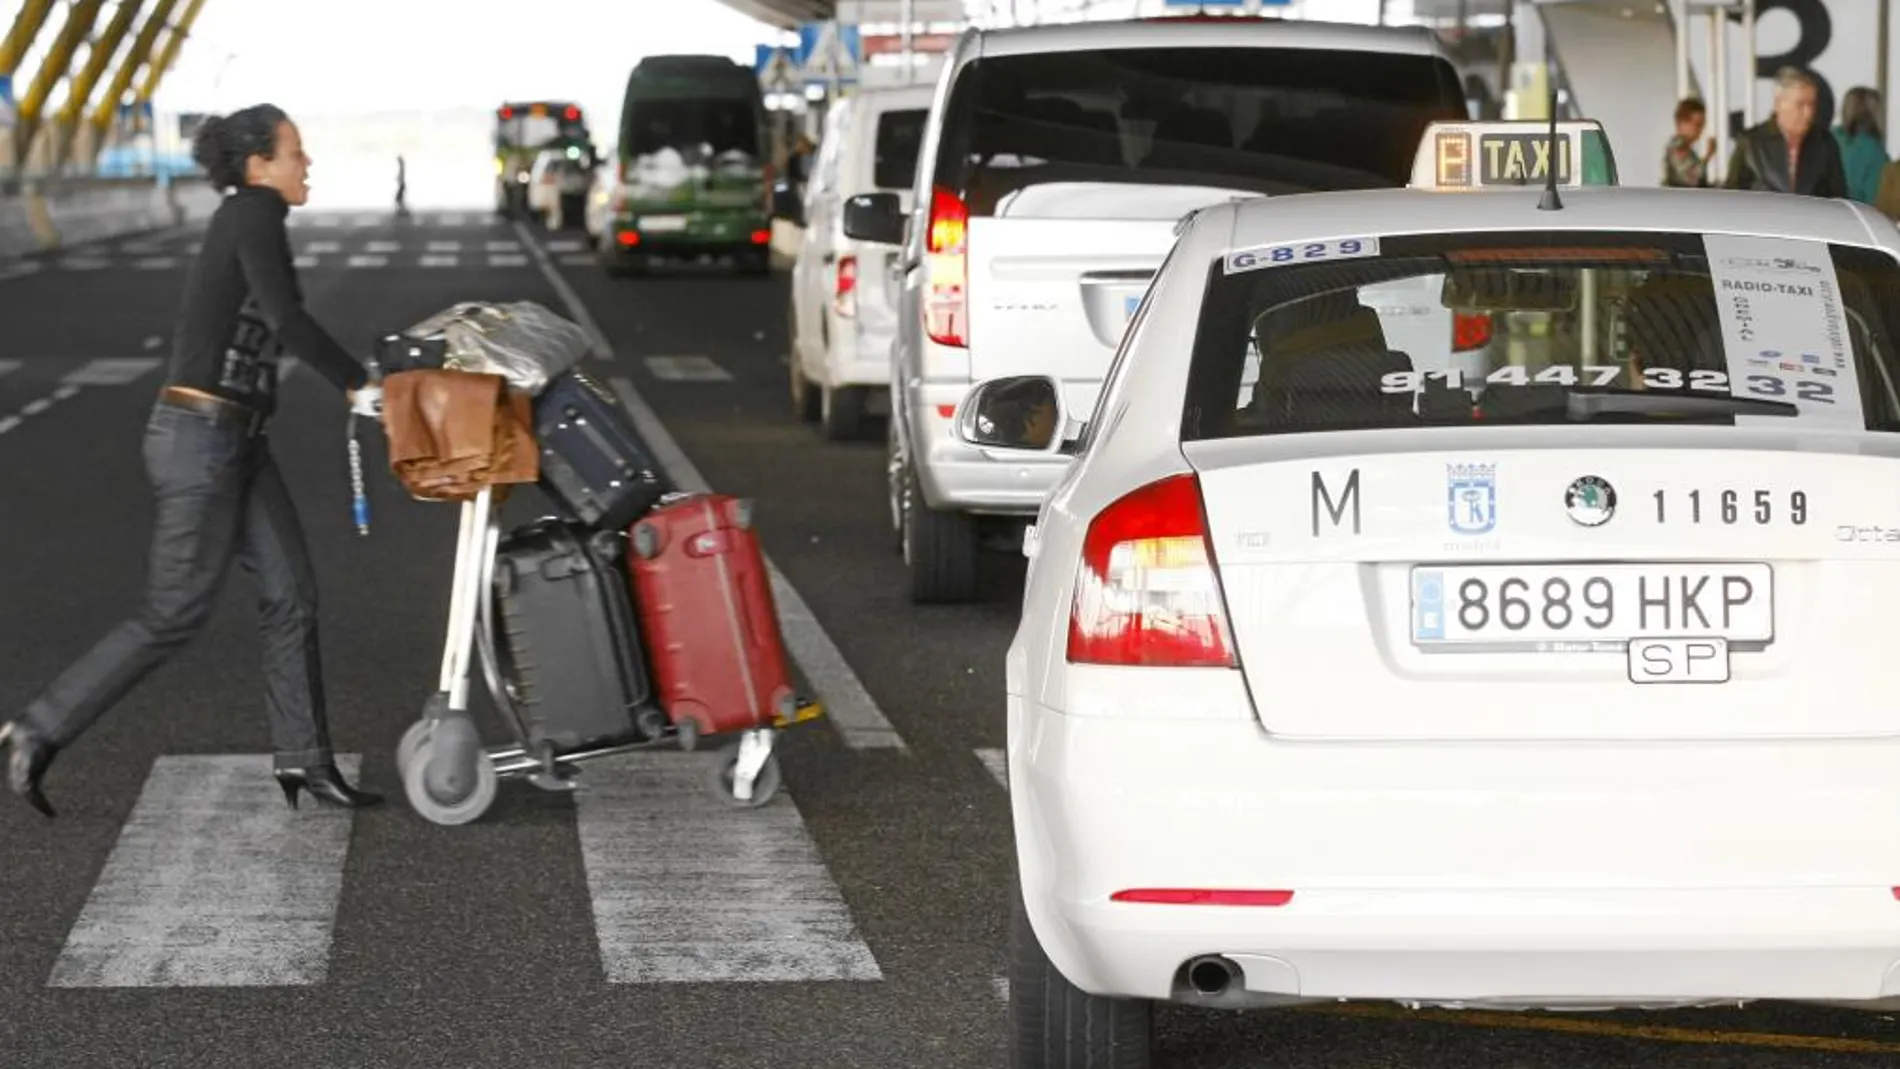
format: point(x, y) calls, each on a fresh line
point(661, 224)
point(1584, 607)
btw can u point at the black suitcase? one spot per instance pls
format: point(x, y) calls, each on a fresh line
point(593, 464)
point(569, 644)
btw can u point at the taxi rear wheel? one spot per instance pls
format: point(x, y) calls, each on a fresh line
point(1055, 1025)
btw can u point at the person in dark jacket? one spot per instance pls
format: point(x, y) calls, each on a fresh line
point(1788, 153)
point(220, 495)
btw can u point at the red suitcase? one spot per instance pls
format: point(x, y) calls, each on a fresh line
point(705, 603)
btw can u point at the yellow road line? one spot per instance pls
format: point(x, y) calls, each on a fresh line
point(1585, 1026)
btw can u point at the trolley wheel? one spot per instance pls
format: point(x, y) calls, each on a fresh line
point(415, 786)
point(412, 743)
point(764, 786)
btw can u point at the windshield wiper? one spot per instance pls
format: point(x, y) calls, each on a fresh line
point(1589, 402)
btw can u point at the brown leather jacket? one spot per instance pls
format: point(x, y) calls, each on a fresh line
point(451, 433)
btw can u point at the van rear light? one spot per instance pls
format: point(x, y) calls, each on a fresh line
point(845, 299)
point(1192, 896)
point(1469, 332)
point(1147, 593)
point(629, 237)
point(946, 266)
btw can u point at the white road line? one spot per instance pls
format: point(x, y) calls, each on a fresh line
point(507, 261)
point(366, 221)
point(579, 259)
point(688, 889)
point(286, 368)
point(686, 369)
point(9, 423)
point(369, 261)
point(35, 407)
point(156, 263)
point(453, 219)
point(508, 246)
point(214, 882)
point(114, 372)
point(440, 261)
point(82, 263)
point(153, 341)
point(849, 708)
point(993, 760)
point(7, 367)
point(323, 246)
point(65, 393)
point(566, 245)
point(383, 246)
point(21, 269)
point(445, 246)
point(307, 261)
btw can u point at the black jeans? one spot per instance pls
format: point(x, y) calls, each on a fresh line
point(220, 496)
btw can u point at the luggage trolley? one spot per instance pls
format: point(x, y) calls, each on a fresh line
point(450, 778)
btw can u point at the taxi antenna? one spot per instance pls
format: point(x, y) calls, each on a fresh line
point(1550, 201)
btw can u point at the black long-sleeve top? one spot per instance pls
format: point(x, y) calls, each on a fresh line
point(243, 308)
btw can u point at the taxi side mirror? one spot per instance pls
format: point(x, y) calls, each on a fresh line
point(875, 217)
point(1021, 413)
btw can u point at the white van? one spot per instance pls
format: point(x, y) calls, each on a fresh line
point(843, 309)
point(1057, 163)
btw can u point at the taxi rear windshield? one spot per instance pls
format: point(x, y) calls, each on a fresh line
point(1267, 120)
point(1545, 328)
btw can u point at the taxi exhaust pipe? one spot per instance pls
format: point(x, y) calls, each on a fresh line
point(1211, 975)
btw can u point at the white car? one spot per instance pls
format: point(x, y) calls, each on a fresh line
point(1560, 681)
point(1057, 161)
point(558, 186)
point(843, 308)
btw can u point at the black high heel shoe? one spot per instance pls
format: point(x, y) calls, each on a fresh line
point(326, 785)
point(28, 754)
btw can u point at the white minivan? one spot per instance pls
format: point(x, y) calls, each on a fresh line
point(1056, 164)
point(843, 309)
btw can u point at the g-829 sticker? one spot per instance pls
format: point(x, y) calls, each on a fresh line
point(1300, 252)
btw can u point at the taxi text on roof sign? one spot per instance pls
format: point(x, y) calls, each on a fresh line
point(1512, 155)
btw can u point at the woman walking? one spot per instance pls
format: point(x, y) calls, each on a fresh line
point(219, 493)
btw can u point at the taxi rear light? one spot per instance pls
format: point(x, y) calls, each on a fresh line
point(946, 309)
point(1194, 896)
point(761, 237)
point(629, 237)
point(844, 299)
point(1147, 593)
point(572, 113)
point(1470, 331)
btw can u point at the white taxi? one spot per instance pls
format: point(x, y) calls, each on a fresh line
point(1546, 673)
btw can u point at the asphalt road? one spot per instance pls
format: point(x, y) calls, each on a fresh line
point(177, 914)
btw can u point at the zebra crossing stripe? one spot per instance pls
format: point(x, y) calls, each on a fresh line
point(507, 261)
point(114, 372)
point(214, 882)
point(445, 246)
point(993, 760)
point(566, 245)
point(383, 246)
point(156, 263)
point(686, 369)
point(323, 246)
point(369, 261)
point(440, 261)
point(687, 889)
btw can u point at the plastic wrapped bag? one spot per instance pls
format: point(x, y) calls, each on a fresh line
point(524, 343)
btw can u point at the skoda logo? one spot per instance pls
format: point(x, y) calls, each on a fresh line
point(1590, 501)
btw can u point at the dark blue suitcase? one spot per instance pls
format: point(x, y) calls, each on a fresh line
point(594, 465)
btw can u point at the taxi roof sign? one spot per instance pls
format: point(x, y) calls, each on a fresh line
point(1460, 156)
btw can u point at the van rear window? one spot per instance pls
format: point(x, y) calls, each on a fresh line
point(899, 136)
point(712, 125)
point(1265, 120)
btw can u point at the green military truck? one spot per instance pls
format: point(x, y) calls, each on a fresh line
point(522, 130)
point(694, 176)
